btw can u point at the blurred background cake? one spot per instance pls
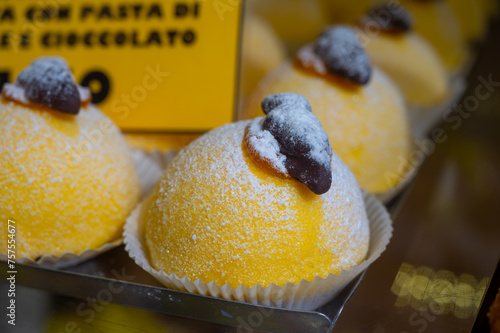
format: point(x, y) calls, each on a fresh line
point(67, 176)
point(406, 57)
point(362, 111)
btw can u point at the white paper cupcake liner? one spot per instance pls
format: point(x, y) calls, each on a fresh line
point(304, 295)
point(149, 169)
point(67, 259)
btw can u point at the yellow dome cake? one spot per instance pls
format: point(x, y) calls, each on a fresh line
point(261, 52)
point(347, 12)
point(258, 202)
point(67, 178)
point(361, 110)
point(295, 21)
point(436, 22)
point(407, 58)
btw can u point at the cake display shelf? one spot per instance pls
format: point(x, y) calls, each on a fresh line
point(176, 303)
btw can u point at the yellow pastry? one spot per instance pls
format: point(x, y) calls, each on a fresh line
point(407, 58)
point(436, 22)
point(261, 52)
point(366, 120)
point(258, 202)
point(67, 178)
point(295, 21)
point(347, 12)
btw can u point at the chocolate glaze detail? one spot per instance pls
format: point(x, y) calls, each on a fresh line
point(343, 54)
point(273, 101)
point(48, 82)
point(303, 141)
point(390, 17)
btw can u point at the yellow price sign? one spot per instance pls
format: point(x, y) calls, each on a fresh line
point(163, 66)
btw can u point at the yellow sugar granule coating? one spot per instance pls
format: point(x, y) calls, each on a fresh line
point(367, 126)
point(436, 22)
point(413, 65)
point(67, 181)
point(262, 51)
point(216, 216)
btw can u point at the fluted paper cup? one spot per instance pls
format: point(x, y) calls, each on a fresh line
point(305, 295)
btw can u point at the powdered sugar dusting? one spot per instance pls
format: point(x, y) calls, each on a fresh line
point(309, 59)
point(49, 82)
point(264, 144)
point(343, 54)
point(273, 101)
point(262, 228)
point(367, 126)
point(13, 92)
point(40, 66)
point(85, 95)
point(291, 141)
point(302, 139)
point(301, 132)
point(70, 180)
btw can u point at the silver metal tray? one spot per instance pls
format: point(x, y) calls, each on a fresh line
point(115, 271)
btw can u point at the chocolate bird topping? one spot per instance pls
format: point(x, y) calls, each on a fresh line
point(291, 141)
point(48, 82)
point(343, 55)
point(389, 17)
